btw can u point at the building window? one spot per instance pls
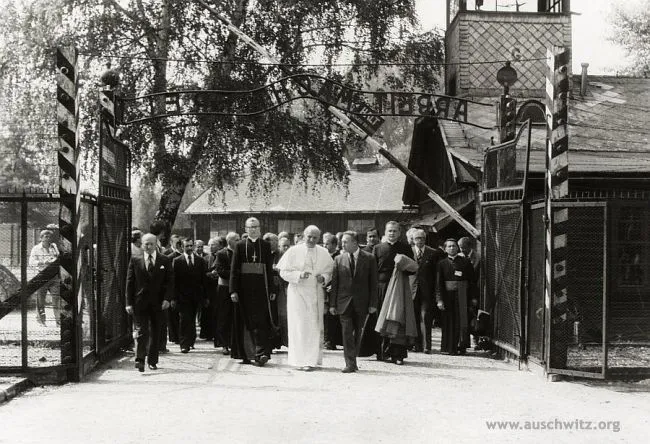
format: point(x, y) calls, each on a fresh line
point(632, 247)
point(291, 226)
point(221, 227)
point(361, 226)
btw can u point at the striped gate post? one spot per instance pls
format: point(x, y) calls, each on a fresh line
point(557, 186)
point(106, 162)
point(107, 134)
point(69, 181)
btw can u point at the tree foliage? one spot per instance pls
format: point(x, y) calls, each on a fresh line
point(162, 45)
point(27, 97)
point(631, 20)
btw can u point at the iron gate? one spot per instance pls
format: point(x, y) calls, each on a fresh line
point(36, 299)
point(604, 330)
point(534, 295)
point(502, 208)
point(577, 337)
point(502, 228)
point(113, 329)
point(114, 234)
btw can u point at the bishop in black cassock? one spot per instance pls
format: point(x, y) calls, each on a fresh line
point(252, 287)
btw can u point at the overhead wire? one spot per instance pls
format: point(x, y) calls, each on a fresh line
point(297, 65)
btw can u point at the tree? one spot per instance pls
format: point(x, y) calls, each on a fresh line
point(161, 45)
point(631, 21)
point(27, 99)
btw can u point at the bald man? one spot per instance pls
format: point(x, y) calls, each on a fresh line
point(149, 287)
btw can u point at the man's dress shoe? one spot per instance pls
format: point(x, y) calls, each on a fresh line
point(261, 361)
point(153, 367)
point(185, 350)
point(140, 366)
point(348, 370)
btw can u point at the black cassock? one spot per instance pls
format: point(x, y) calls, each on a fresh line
point(454, 277)
point(251, 277)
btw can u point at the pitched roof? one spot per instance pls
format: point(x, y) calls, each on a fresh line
point(609, 129)
point(371, 191)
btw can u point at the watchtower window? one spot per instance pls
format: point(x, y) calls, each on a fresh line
point(533, 110)
point(554, 6)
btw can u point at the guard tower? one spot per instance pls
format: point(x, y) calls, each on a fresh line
point(480, 31)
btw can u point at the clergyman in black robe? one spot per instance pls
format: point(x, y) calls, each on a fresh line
point(455, 273)
point(385, 253)
point(252, 288)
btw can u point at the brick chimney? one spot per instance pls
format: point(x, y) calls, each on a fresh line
point(583, 81)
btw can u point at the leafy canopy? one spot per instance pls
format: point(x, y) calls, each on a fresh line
point(161, 45)
point(631, 20)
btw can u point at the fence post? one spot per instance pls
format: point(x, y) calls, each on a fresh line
point(69, 175)
point(107, 168)
point(557, 186)
point(23, 281)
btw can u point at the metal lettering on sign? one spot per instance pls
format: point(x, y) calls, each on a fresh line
point(366, 109)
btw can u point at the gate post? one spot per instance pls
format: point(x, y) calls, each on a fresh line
point(106, 171)
point(556, 219)
point(69, 176)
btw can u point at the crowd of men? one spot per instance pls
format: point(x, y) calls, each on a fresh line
point(261, 292)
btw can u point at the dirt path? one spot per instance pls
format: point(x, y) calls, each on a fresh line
point(206, 397)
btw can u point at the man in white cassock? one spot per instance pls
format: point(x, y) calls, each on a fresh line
point(307, 268)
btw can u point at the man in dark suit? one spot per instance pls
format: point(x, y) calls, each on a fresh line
point(149, 285)
point(224, 310)
point(353, 295)
point(204, 314)
point(212, 280)
point(175, 249)
point(332, 325)
point(424, 288)
point(190, 291)
point(372, 239)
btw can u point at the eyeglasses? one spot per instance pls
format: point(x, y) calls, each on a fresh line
point(253, 226)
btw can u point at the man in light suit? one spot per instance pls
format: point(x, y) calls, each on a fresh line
point(149, 285)
point(354, 294)
point(190, 291)
point(424, 288)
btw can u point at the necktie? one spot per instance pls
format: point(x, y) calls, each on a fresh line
point(419, 254)
point(150, 264)
point(352, 264)
point(189, 260)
